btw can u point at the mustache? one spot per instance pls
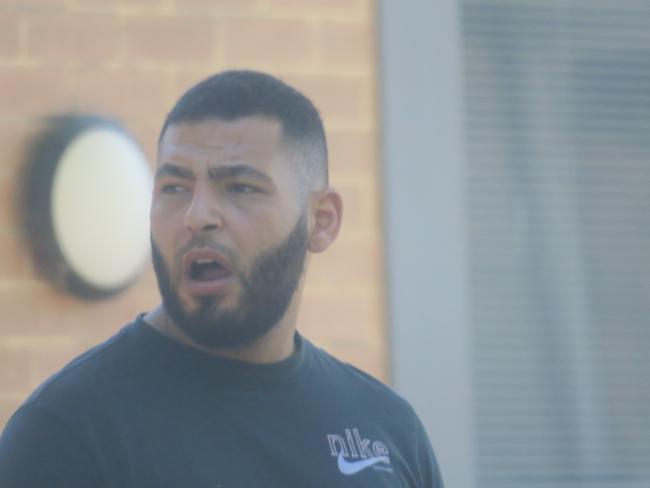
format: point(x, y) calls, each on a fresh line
point(198, 242)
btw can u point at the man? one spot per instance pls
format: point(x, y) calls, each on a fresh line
point(215, 387)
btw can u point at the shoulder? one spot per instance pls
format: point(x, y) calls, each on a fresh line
point(46, 441)
point(369, 412)
point(38, 448)
point(96, 367)
point(356, 383)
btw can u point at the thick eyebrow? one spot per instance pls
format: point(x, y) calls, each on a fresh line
point(234, 171)
point(169, 169)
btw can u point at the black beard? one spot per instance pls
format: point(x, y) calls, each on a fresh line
point(265, 296)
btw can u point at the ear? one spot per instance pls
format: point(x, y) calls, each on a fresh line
point(326, 212)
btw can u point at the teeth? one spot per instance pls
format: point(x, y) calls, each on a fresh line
point(204, 261)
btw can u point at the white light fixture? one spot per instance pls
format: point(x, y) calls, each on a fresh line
point(87, 202)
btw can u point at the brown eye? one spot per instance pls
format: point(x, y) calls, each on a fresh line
point(241, 188)
point(173, 188)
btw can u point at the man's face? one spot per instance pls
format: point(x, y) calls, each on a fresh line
point(229, 235)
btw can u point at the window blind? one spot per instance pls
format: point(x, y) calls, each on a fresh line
point(557, 114)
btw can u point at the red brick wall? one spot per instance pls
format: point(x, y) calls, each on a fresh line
point(131, 60)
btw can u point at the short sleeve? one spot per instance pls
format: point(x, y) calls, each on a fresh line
point(38, 450)
point(429, 470)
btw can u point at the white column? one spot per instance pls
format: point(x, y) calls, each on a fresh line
point(426, 231)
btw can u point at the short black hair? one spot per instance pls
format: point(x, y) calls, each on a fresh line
point(231, 95)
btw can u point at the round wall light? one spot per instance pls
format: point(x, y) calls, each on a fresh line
point(86, 202)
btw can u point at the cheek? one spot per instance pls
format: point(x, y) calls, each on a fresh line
point(252, 240)
point(166, 223)
point(167, 237)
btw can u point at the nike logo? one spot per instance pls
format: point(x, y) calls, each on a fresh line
point(349, 468)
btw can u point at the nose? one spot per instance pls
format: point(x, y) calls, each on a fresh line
point(204, 214)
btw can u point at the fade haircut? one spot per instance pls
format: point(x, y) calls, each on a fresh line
point(231, 95)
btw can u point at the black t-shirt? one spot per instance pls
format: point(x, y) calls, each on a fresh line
point(142, 410)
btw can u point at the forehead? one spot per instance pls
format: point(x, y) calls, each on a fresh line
point(249, 139)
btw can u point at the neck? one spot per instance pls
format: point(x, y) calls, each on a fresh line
point(274, 346)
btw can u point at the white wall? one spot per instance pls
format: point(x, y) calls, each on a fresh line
point(425, 223)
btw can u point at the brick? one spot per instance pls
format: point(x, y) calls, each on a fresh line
point(185, 79)
point(352, 149)
point(340, 314)
point(37, 5)
point(360, 207)
point(218, 7)
point(344, 101)
point(8, 405)
point(350, 262)
point(28, 91)
point(9, 35)
point(143, 3)
point(373, 362)
point(346, 44)
point(146, 134)
point(97, 38)
point(50, 37)
point(16, 263)
point(73, 38)
point(52, 357)
point(11, 187)
point(15, 138)
point(145, 291)
point(49, 353)
point(267, 44)
point(16, 369)
point(108, 5)
point(24, 310)
point(46, 309)
point(123, 7)
point(169, 41)
point(144, 59)
point(129, 95)
point(321, 8)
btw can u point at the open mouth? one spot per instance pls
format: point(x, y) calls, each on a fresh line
point(207, 270)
